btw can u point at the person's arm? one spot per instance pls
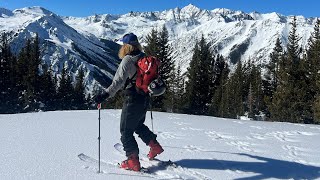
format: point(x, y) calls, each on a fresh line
point(120, 77)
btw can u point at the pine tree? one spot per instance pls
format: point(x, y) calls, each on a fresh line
point(199, 79)
point(47, 92)
point(236, 92)
point(35, 64)
point(24, 84)
point(220, 78)
point(289, 100)
point(193, 75)
point(152, 41)
point(255, 100)
point(65, 93)
point(8, 90)
point(28, 75)
point(272, 68)
point(300, 107)
point(316, 110)
point(79, 95)
point(166, 70)
point(178, 91)
point(313, 64)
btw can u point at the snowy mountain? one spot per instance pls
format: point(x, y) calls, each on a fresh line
point(61, 45)
point(234, 34)
point(88, 42)
point(45, 145)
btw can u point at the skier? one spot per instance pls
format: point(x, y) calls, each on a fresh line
point(136, 103)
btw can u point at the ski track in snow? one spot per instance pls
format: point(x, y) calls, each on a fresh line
point(218, 136)
point(239, 122)
point(315, 128)
point(205, 148)
point(257, 127)
point(193, 148)
point(181, 123)
point(169, 135)
point(191, 129)
point(242, 145)
point(257, 136)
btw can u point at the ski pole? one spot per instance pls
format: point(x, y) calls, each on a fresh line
point(151, 113)
point(99, 138)
point(152, 121)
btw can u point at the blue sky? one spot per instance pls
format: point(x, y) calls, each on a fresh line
point(80, 8)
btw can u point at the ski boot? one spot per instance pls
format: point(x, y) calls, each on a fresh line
point(132, 163)
point(155, 149)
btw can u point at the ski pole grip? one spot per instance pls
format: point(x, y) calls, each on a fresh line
point(99, 106)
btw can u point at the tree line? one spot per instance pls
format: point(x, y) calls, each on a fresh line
point(28, 85)
point(285, 89)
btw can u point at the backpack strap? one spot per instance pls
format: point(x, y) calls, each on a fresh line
point(130, 80)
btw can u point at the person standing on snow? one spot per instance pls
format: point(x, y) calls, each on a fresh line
point(135, 106)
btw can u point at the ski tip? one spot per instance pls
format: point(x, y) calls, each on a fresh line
point(144, 170)
point(81, 155)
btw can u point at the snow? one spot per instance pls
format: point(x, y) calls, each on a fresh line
point(61, 44)
point(223, 28)
point(45, 145)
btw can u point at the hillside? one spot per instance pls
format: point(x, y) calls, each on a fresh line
point(45, 145)
point(87, 42)
point(236, 35)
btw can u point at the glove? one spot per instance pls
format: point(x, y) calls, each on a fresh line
point(101, 97)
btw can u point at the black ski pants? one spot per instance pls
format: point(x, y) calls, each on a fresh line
point(132, 121)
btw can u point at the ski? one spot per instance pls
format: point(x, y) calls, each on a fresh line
point(91, 160)
point(161, 163)
point(153, 171)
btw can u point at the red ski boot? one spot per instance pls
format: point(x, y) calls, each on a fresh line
point(155, 149)
point(132, 163)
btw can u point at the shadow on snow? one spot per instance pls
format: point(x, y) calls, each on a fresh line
point(269, 168)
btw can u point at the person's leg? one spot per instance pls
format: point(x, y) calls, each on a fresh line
point(132, 112)
point(129, 122)
point(145, 134)
point(142, 130)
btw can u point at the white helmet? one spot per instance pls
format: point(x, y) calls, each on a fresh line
point(157, 87)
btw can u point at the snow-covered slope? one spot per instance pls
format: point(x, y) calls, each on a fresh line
point(61, 45)
point(45, 145)
point(234, 34)
point(78, 42)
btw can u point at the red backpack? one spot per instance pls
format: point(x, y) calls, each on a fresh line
point(147, 77)
point(147, 71)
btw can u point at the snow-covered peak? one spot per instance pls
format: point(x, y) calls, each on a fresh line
point(35, 10)
point(190, 9)
point(222, 11)
point(192, 12)
point(5, 12)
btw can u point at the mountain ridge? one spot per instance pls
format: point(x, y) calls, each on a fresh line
point(62, 46)
point(87, 42)
point(236, 35)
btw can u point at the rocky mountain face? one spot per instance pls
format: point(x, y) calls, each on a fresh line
point(61, 45)
point(87, 42)
point(234, 34)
